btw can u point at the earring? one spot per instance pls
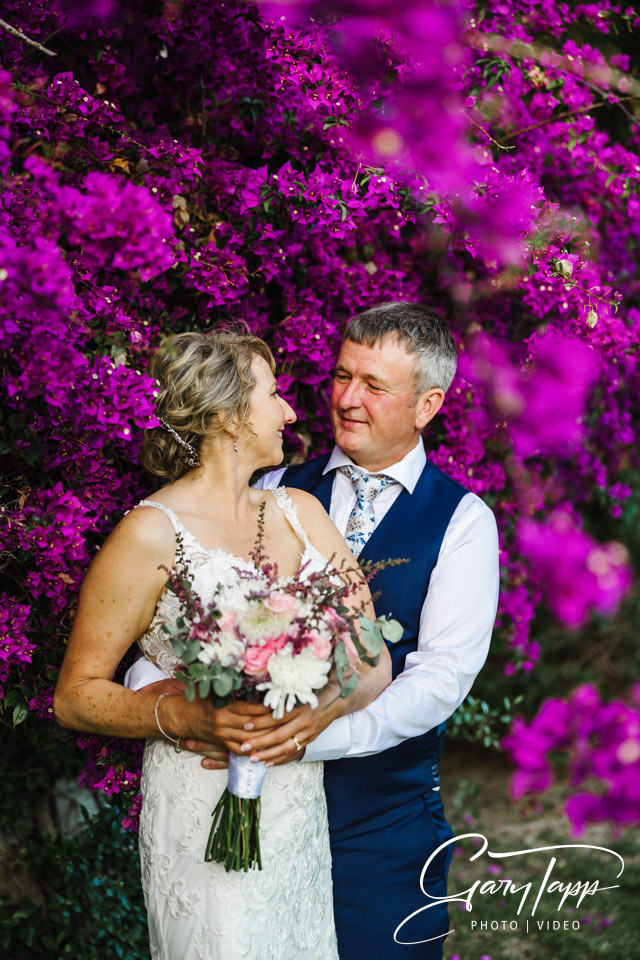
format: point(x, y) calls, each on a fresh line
point(235, 445)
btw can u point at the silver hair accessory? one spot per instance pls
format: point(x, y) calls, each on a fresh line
point(235, 444)
point(192, 459)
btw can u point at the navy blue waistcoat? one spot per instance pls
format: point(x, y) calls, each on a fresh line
point(385, 811)
point(413, 528)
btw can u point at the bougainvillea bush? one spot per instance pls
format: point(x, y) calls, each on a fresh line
point(168, 166)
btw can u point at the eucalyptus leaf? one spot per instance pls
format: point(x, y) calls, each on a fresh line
point(392, 630)
point(178, 645)
point(223, 685)
point(371, 636)
point(191, 651)
point(341, 660)
point(197, 670)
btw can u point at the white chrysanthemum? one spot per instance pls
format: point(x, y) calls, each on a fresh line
point(258, 624)
point(226, 648)
point(234, 596)
point(293, 678)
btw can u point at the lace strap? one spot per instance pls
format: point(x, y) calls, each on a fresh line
point(290, 511)
point(175, 523)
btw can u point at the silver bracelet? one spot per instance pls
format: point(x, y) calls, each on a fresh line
point(177, 747)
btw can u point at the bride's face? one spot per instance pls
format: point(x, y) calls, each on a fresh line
point(268, 414)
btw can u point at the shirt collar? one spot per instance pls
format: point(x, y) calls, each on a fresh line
point(406, 471)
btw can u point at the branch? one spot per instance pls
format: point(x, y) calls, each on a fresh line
point(486, 133)
point(563, 116)
point(22, 36)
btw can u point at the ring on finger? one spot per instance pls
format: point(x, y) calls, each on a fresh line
point(297, 743)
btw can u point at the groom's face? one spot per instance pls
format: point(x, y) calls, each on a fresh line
point(375, 416)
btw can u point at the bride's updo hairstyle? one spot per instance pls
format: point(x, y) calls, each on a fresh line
point(204, 383)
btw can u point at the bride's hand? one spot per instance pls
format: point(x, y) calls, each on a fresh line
point(278, 746)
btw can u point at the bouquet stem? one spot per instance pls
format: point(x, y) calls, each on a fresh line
point(234, 838)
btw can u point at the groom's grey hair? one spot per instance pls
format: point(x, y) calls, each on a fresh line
point(421, 331)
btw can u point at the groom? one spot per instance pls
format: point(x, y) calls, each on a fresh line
point(385, 812)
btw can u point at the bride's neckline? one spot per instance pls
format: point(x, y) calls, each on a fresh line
point(281, 499)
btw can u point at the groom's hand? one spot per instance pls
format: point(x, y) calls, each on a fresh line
point(216, 757)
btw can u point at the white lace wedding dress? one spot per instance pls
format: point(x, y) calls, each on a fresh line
point(196, 910)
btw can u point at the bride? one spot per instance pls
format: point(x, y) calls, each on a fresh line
point(222, 419)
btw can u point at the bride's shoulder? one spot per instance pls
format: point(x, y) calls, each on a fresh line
point(305, 502)
point(311, 514)
point(147, 525)
point(318, 525)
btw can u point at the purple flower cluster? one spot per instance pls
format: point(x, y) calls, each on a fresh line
point(576, 574)
point(601, 742)
point(543, 403)
point(15, 648)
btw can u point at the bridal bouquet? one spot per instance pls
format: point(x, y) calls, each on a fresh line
point(273, 640)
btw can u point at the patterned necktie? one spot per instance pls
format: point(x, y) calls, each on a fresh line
point(362, 521)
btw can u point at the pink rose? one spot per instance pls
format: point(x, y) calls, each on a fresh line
point(319, 644)
point(352, 653)
point(256, 659)
point(281, 602)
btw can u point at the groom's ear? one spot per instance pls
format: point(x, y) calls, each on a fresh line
point(429, 404)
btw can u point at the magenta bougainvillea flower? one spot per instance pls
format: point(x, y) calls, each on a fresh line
point(601, 742)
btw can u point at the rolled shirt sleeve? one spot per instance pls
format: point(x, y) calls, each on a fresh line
point(142, 672)
point(455, 631)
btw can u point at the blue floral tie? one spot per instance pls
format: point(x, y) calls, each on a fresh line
point(362, 521)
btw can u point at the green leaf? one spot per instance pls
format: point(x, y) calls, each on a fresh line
point(223, 685)
point(178, 645)
point(197, 670)
point(20, 712)
point(392, 630)
point(341, 660)
point(204, 688)
point(371, 636)
point(191, 651)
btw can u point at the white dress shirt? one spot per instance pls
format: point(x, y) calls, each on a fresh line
point(455, 622)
